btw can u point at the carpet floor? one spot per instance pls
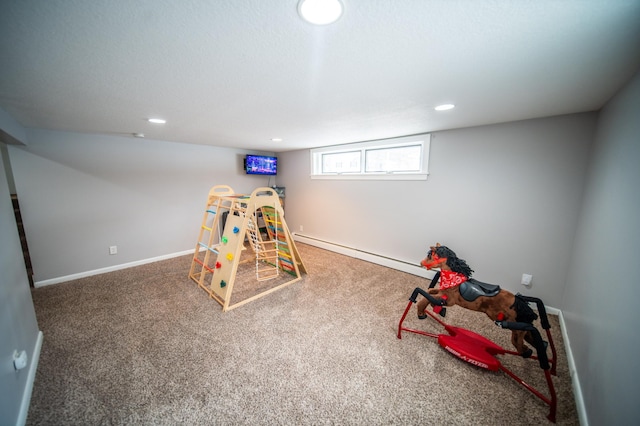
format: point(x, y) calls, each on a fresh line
point(146, 345)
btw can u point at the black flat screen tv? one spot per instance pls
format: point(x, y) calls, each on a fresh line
point(261, 165)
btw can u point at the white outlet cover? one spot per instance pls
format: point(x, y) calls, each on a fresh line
point(20, 360)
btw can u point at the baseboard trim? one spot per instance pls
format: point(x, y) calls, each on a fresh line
point(31, 377)
point(575, 380)
point(378, 259)
point(79, 275)
point(417, 270)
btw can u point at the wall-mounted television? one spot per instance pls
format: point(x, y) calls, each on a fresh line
point(261, 165)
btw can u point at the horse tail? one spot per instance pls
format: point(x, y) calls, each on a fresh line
point(524, 313)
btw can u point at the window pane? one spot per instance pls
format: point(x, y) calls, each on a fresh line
point(394, 159)
point(402, 158)
point(341, 162)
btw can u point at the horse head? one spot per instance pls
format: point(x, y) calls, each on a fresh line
point(440, 256)
point(437, 256)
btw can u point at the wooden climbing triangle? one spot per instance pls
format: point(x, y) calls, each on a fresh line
point(229, 220)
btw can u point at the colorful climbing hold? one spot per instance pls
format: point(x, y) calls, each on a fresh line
point(230, 256)
point(224, 240)
point(222, 284)
point(218, 265)
point(236, 229)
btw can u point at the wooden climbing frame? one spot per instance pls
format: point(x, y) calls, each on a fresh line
point(229, 219)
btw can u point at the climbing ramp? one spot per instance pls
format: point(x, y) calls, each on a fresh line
point(228, 221)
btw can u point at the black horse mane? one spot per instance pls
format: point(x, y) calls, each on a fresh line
point(454, 262)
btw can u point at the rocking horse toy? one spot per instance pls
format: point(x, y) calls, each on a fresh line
point(504, 308)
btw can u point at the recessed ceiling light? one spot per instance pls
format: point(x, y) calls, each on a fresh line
point(276, 139)
point(156, 120)
point(138, 135)
point(320, 12)
point(444, 107)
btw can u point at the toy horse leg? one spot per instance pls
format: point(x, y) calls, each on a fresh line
point(424, 303)
point(517, 340)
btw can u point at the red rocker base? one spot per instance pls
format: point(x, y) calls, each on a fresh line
point(471, 347)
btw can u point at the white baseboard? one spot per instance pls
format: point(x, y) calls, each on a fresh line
point(575, 380)
point(417, 270)
point(79, 275)
point(31, 377)
point(397, 264)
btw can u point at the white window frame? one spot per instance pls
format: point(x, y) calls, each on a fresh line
point(424, 140)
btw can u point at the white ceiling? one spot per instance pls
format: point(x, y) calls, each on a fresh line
point(239, 72)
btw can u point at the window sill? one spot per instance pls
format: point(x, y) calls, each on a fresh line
point(381, 176)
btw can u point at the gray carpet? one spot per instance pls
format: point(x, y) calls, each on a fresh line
point(145, 345)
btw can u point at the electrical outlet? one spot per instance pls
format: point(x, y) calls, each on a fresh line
point(526, 279)
point(301, 228)
point(113, 250)
point(20, 360)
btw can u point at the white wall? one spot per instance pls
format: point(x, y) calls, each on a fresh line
point(18, 326)
point(602, 293)
point(505, 197)
point(11, 129)
point(80, 194)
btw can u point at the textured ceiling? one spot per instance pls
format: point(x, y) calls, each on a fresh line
point(239, 72)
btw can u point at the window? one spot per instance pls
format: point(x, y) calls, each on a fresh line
point(405, 158)
point(341, 162)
